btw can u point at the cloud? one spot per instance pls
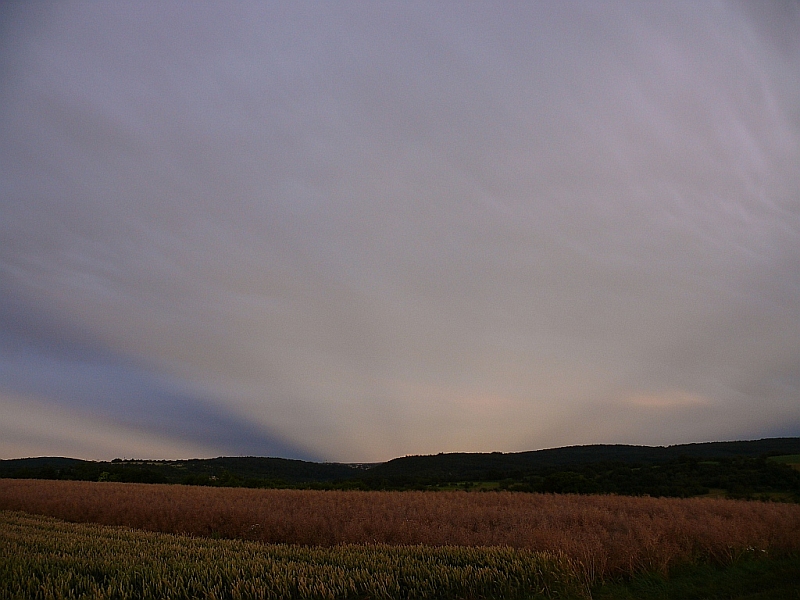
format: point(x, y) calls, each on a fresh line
point(360, 232)
point(64, 372)
point(29, 428)
point(667, 400)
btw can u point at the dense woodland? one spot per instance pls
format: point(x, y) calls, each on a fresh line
point(763, 469)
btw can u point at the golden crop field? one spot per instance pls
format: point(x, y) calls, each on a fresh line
point(603, 535)
point(41, 558)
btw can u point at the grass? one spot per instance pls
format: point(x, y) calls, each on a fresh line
point(750, 577)
point(41, 557)
point(793, 460)
point(788, 459)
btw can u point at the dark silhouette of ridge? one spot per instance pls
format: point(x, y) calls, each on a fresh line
point(460, 465)
point(739, 468)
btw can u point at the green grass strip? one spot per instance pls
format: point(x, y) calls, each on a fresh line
point(751, 577)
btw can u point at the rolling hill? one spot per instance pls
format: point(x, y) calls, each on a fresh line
point(737, 469)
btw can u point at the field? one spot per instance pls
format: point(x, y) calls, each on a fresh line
point(44, 558)
point(793, 460)
point(603, 536)
point(41, 557)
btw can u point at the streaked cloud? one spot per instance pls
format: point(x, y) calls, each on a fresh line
point(29, 427)
point(668, 400)
point(352, 232)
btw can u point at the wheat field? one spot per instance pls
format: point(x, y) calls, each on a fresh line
point(605, 535)
point(46, 559)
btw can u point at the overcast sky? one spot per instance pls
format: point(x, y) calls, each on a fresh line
point(351, 231)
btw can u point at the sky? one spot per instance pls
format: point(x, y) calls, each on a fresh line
point(352, 231)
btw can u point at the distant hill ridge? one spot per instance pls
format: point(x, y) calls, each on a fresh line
point(476, 465)
point(440, 467)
